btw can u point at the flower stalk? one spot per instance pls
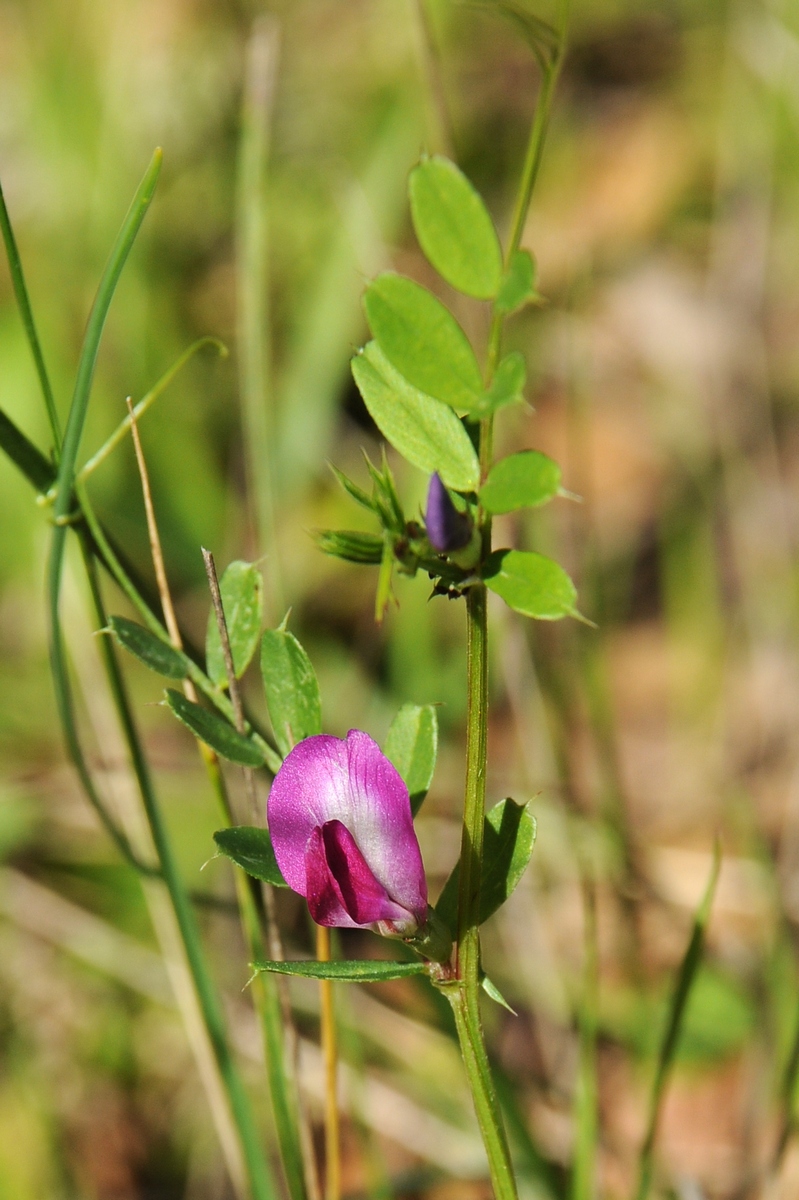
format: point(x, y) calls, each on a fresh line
point(464, 993)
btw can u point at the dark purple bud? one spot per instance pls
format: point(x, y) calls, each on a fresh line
point(447, 529)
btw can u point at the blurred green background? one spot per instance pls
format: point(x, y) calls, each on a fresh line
point(664, 373)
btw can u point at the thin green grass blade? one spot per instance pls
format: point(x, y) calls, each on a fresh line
point(26, 313)
point(668, 1049)
point(146, 401)
point(64, 481)
point(252, 296)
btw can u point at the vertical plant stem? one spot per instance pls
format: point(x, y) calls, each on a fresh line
point(252, 292)
point(330, 1054)
point(464, 997)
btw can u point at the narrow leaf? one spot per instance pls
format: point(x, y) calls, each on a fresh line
point(412, 745)
point(354, 971)
point(454, 228)
point(250, 848)
point(37, 469)
point(155, 653)
point(422, 340)
point(522, 480)
point(518, 286)
point(510, 830)
point(358, 494)
point(491, 989)
point(292, 692)
point(215, 731)
point(350, 545)
point(241, 587)
point(530, 583)
point(422, 429)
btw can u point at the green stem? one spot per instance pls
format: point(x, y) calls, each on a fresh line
point(258, 1171)
point(468, 947)
point(464, 996)
point(538, 133)
point(478, 1072)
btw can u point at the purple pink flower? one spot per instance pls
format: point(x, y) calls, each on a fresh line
point(340, 820)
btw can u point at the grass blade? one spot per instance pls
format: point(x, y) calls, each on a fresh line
point(668, 1048)
point(146, 401)
point(252, 295)
point(26, 313)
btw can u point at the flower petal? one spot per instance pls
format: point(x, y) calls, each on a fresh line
point(365, 899)
point(323, 895)
point(329, 779)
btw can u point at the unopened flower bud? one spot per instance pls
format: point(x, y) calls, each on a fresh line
point(447, 529)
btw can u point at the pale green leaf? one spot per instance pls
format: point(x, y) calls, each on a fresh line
point(507, 386)
point(454, 228)
point(352, 971)
point(412, 745)
point(422, 340)
point(153, 651)
point(292, 692)
point(250, 847)
point(522, 480)
point(241, 588)
point(215, 731)
point(518, 285)
point(530, 583)
point(422, 429)
point(509, 837)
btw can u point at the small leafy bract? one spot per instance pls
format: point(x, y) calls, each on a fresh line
point(510, 830)
point(156, 654)
point(412, 746)
point(530, 583)
point(422, 340)
point(350, 544)
point(518, 286)
point(422, 429)
point(292, 692)
point(352, 971)
point(241, 588)
point(215, 731)
point(522, 480)
point(507, 386)
point(250, 848)
point(454, 229)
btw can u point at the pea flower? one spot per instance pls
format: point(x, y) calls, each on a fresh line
point(447, 529)
point(340, 820)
